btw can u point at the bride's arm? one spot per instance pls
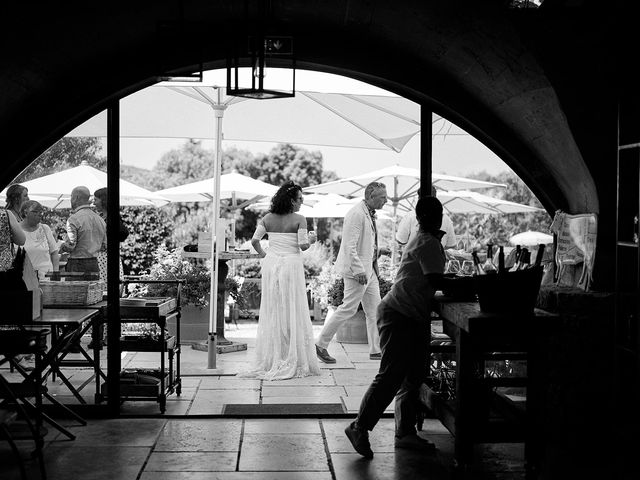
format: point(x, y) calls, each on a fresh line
point(255, 240)
point(303, 236)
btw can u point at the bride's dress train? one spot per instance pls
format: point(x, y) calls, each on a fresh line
point(285, 346)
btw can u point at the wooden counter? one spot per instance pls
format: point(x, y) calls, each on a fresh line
point(474, 415)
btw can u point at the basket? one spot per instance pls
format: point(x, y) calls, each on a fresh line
point(72, 293)
point(509, 292)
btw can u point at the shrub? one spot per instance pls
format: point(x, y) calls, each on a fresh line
point(169, 265)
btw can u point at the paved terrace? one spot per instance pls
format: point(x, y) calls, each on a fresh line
point(194, 440)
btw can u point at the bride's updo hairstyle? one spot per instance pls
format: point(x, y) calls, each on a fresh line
point(282, 201)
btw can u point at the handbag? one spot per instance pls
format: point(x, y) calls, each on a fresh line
point(7, 253)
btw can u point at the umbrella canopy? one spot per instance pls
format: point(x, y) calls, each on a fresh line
point(329, 119)
point(402, 184)
point(54, 190)
point(321, 205)
point(530, 237)
point(365, 121)
point(232, 185)
point(465, 201)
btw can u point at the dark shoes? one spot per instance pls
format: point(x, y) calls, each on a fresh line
point(414, 442)
point(375, 356)
point(324, 356)
point(359, 438)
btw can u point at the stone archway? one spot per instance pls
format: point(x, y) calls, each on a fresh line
point(466, 63)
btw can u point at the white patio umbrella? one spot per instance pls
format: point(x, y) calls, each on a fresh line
point(402, 185)
point(468, 203)
point(365, 121)
point(465, 201)
point(530, 238)
point(312, 118)
point(232, 185)
point(55, 189)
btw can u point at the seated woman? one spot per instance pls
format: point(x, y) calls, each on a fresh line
point(40, 245)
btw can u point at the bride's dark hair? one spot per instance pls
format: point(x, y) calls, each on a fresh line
point(282, 201)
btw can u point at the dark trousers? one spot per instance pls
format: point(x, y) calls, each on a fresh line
point(403, 368)
point(82, 265)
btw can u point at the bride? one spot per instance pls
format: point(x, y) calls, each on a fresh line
point(284, 344)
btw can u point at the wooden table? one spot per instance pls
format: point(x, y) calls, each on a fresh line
point(479, 337)
point(98, 317)
point(68, 324)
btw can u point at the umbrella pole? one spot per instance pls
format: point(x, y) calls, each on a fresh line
point(215, 246)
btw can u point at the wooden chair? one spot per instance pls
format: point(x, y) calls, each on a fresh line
point(15, 396)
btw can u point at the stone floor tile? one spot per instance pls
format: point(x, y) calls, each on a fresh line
point(191, 462)
point(152, 407)
point(70, 461)
point(355, 377)
point(356, 390)
point(389, 466)
point(191, 382)
point(229, 383)
point(100, 433)
point(229, 396)
point(355, 347)
point(352, 404)
point(325, 378)
point(381, 437)
point(359, 357)
point(319, 399)
point(273, 426)
point(200, 436)
point(283, 452)
point(302, 391)
point(236, 476)
point(204, 407)
point(186, 394)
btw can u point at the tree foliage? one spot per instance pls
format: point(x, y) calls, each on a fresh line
point(66, 153)
point(478, 230)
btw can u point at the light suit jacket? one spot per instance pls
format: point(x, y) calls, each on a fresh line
point(358, 243)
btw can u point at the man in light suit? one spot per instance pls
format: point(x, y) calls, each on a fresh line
point(357, 263)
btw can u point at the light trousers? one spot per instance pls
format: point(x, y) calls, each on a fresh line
point(354, 295)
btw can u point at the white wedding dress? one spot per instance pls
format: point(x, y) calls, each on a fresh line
point(285, 346)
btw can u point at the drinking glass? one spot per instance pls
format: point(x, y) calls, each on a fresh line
point(467, 268)
point(453, 266)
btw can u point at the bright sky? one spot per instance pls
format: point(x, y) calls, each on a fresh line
point(452, 154)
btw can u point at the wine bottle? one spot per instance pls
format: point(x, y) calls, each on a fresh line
point(539, 255)
point(476, 264)
point(501, 259)
point(516, 259)
point(489, 266)
point(525, 259)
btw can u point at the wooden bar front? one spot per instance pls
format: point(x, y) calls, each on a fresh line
point(478, 414)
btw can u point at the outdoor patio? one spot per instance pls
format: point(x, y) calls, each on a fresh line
point(195, 440)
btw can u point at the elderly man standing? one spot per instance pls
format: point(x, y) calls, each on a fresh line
point(357, 262)
point(86, 234)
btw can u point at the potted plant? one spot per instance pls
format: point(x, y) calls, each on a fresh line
point(195, 293)
point(328, 289)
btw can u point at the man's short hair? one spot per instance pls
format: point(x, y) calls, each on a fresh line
point(81, 193)
point(372, 187)
point(429, 213)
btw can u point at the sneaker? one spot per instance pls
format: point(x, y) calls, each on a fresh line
point(359, 438)
point(375, 356)
point(324, 356)
point(414, 442)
